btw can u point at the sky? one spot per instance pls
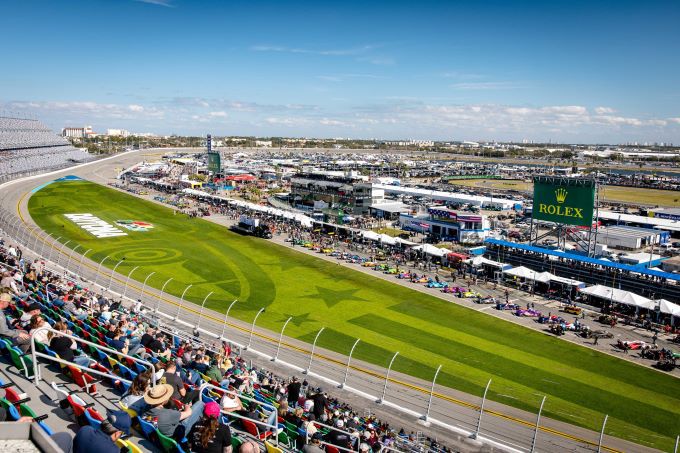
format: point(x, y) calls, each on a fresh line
point(562, 71)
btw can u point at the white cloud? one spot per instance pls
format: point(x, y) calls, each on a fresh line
point(604, 110)
point(220, 114)
point(326, 52)
point(135, 108)
point(483, 85)
point(165, 3)
point(674, 120)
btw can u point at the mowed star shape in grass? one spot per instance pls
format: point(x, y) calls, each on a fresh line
point(298, 320)
point(332, 297)
point(285, 265)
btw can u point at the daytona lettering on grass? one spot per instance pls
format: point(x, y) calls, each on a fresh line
point(95, 226)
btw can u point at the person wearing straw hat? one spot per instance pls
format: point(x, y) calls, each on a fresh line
point(168, 419)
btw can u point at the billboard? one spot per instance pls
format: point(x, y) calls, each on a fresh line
point(567, 201)
point(214, 163)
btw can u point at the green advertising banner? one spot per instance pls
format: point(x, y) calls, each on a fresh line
point(564, 200)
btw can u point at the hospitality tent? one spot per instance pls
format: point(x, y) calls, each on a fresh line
point(618, 295)
point(432, 250)
point(401, 241)
point(567, 281)
point(668, 307)
point(387, 239)
point(371, 235)
point(479, 261)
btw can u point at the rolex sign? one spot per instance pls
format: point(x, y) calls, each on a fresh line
point(564, 200)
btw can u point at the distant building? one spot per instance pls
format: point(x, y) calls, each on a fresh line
point(348, 191)
point(117, 133)
point(77, 132)
point(448, 225)
point(263, 143)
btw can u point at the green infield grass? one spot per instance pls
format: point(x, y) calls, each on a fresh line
point(581, 384)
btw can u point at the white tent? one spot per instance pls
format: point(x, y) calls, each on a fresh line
point(401, 241)
point(387, 239)
point(371, 235)
point(529, 274)
point(479, 261)
point(668, 307)
point(619, 296)
point(568, 281)
point(432, 250)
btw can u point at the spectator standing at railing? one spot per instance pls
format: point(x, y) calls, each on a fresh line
point(293, 391)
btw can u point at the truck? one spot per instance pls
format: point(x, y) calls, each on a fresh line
point(250, 226)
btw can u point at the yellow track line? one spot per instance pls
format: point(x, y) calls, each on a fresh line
point(337, 362)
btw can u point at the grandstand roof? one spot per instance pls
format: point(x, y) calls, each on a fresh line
point(584, 259)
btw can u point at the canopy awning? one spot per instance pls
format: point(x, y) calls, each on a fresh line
point(619, 296)
point(668, 307)
point(479, 261)
point(432, 250)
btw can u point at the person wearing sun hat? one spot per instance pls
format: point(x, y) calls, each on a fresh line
point(170, 419)
point(209, 435)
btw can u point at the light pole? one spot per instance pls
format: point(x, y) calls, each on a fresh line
point(429, 401)
point(80, 264)
point(181, 301)
point(226, 316)
point(200, 315)
point(108, 288)
point(161, 296)
point(127, 281)
point(141, 295)
point(96, 277)
point(387, 377)
point(278, 348)
point(252, 329)
point(68, 261)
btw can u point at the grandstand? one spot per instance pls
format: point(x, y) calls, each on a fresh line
point(88, 392)
point(28, 145)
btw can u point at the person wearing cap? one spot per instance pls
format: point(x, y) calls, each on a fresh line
point(209, 435)
point(103, 440)
point(32, 310)
point(170, 419)
point(314, 445)
point(18, 336)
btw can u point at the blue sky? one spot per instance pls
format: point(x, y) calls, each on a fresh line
point(566, 71)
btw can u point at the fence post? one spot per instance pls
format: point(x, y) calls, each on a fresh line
point(45, 241)
point(481, 411)
point(127, 280)
point(278, 347)
point(599, 443)
point(141, 294)
point(387, 378)
point(200, 315)
point(161, 296)
point(181, 301)
point(35, 243)
point(61, 251)
point(226, 316)
point(80, 263)
point(311, 355)
point(429, 401)
point(538, 420)
point(108, 288)
point(68, 261)
point(52, 247)
point(96, 277)
point(349, 360)
point(252, 329)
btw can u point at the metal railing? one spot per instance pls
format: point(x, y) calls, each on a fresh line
point(36, 365)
